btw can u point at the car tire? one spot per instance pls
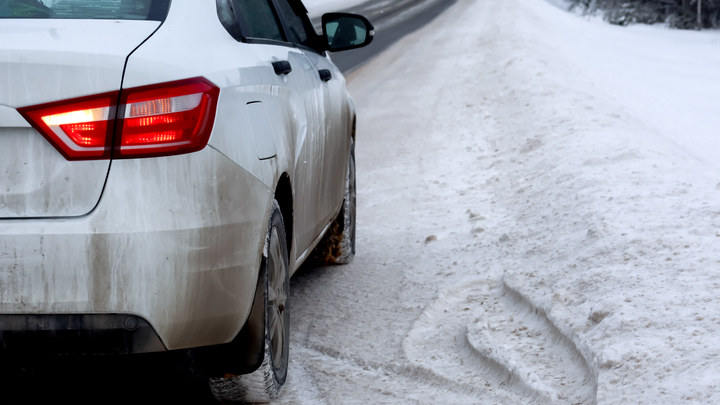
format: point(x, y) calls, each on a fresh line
point(338, 244)
point(266, 382)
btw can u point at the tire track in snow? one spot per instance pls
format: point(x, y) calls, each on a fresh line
point(484, 334)
point(402, 381)
point(535, 349)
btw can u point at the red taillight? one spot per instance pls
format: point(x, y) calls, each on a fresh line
point(166, 119)
point(159, 120)
point(88, 134)
point(80, 128)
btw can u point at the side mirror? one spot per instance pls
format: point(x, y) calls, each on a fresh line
point(343, 31)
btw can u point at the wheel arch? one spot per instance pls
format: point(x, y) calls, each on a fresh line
point(353, 129)
point(244, 354)
point(284, 197)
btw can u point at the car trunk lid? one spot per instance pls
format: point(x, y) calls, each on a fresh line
point(49, 60)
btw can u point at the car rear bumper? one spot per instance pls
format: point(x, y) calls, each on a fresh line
point(175, 241)
point(38, 335)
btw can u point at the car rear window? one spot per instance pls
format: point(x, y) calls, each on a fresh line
point(86, 9)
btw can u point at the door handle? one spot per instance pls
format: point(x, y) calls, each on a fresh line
point(282, 67)
point(325, 74)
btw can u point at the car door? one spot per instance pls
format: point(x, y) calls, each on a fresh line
point(328, 87)
point(297, 99)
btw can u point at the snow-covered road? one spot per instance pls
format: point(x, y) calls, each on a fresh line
point(529, 228)
point(317, 8)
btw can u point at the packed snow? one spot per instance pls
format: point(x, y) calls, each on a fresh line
point(538, 219)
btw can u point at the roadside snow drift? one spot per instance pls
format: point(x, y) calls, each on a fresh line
point(539, 219)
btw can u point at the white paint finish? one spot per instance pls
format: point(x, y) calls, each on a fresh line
point(178, 240)
point(232, 135)
point(54, 59)
point(176, 52)
point(336, 133)
point(301, 106)
point(262, 129)
point(295, 103)
point(45, 61)
point(37, 181)
point(10, 118)
point(174, 240)
point(191, 42)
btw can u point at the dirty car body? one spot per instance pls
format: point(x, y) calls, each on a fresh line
point(140, 226)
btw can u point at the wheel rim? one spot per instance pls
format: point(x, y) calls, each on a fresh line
point(277, 298)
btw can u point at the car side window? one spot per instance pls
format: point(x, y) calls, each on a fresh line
point(298, 31)
point(259, 18)
point(226, 15)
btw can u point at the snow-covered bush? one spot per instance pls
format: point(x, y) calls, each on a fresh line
point(676, 13)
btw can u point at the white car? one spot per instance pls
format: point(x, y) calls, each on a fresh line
point(165, 167)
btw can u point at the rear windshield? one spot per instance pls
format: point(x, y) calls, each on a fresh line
point(86, 9)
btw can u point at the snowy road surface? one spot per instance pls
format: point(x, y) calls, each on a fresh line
point(392, 19)
point(317, 8)
point(528, 231)
point(538, 223)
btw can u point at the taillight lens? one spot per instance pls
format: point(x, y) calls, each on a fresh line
point(80, 128)
point(166, 119)
point(158, 120)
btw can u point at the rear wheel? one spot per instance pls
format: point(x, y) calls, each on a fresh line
point(338, 244)
point(267, 381)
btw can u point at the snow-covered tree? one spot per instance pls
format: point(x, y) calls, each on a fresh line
point(688, 14)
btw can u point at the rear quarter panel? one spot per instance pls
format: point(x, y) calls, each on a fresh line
point(243, 73)
point(192, 42)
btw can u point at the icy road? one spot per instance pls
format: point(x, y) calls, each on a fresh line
point(538, 219)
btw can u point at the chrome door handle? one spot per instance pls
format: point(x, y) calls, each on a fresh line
point(282, 67)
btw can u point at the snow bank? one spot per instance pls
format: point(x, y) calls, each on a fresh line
point(667, 78)
point(619, 232)
point(594, 171)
